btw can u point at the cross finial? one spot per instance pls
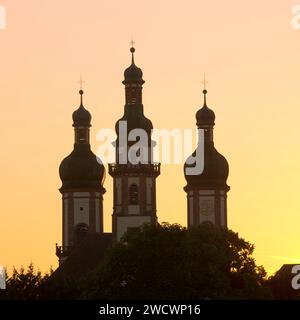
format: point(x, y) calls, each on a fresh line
point(204, 82)
point(132, 43)
point(81, 82)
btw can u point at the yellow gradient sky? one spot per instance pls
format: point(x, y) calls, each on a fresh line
point(250, 54)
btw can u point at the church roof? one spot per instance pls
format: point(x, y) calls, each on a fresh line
point(205, 116)
point(281, 284)
point(133, 74)
point(216, 168)
point(81, 170)
point(81, 116)
point(215, 172)
point(85, 257)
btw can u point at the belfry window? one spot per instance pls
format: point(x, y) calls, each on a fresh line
point(133, 100)
point(133, 96)
point(82, 135)
point(133, 194)
point(81, 230)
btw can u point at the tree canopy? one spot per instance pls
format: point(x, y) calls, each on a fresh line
point(166, 261)
point(23, 284)
point(170, 262)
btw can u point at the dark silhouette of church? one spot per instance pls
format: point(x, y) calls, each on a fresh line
point(134, 184)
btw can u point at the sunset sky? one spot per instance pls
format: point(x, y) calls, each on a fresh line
point(250, 54)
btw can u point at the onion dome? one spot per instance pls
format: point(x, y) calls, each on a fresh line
point(133, 74)
point(82, 169)
point(81, 116)
point(205, 116)
point(134, 110)
point(215, 173)
point(216, 168)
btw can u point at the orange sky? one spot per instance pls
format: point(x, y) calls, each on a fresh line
point(250, 54)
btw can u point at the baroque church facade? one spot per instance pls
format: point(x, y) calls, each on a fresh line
point(134, 181)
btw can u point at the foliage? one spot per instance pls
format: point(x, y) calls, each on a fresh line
point(23, 284)
point(171, 262)
point(157, 262)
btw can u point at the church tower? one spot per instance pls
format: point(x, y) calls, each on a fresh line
point(134, 173)
point(82, 176)
point(207, 191)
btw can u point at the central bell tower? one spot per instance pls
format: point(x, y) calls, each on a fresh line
point(134, 182)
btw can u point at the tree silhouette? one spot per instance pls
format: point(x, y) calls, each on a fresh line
point(23, 284)
point(157, 262)
point(171, 262)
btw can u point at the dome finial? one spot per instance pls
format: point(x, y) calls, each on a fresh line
point(133, 74)
point(204, 92)
point(81, 92)
point(132, 50)
point(204, 89)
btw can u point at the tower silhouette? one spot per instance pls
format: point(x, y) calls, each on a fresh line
point(134, 173)
point(82, 188)
point(207, 191)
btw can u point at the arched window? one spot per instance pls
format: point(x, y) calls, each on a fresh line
point(133, 194)
point(81, 230)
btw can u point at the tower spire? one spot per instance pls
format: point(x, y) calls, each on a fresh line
point(204, 93)
point(133, 81)
point(204, 90)
point(81, 92)
point(132, 50)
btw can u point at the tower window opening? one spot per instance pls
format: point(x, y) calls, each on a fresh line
point(133, 194)
point(81, 230)
point(81, 135)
